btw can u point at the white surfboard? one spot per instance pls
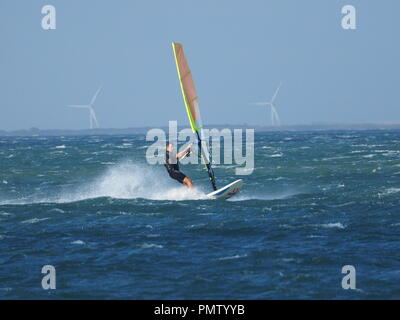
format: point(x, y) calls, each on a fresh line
point(227, 191)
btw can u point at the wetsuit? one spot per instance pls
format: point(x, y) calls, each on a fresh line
point(173, 168)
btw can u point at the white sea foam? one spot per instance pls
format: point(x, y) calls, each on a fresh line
point(259, 196)
point(358, 151)
point(275, 155)
point(335, 158)
point(233, 257)
point(151, 245)
point(122, 181)
point(336, 225)
point(389, 191)
point(34, 220)
point(80, 242)
point(131, 181)
point(196, 226)
point(279, 178)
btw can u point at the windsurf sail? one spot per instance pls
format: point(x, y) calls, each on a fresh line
point(192, 106)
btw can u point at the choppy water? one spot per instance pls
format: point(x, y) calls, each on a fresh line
point(116, 227)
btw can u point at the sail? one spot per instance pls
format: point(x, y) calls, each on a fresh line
point(192, 105)
point(188, 88)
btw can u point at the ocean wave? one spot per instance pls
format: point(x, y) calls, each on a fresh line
point(342, 204)
point(389, 191)
point(34, 220)
point(151, 245)
point(57, 210)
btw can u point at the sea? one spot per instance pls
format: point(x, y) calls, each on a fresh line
point(317, 218)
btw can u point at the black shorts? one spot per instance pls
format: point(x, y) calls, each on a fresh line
point(177, 175)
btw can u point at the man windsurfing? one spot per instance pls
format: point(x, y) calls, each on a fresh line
point(172, 164)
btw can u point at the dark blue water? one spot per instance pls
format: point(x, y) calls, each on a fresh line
point(115, 227)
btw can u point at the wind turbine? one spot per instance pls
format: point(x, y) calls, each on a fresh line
point(92, 115)
point(275, 120)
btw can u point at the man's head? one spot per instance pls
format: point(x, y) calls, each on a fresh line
point(169, 147)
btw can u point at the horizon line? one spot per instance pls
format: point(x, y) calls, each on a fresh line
point(326, 125)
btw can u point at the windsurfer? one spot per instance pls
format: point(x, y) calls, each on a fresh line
point(172, 164)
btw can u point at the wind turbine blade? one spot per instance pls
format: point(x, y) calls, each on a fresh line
point(278, 120)
point(78, 106)
point(93, 116)
point(272, 116)
point(276, 93)
point(95, 96)
point(263, 104)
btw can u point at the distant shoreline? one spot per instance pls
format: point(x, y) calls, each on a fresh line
point(143, 130)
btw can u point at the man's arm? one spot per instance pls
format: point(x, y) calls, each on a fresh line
point(183, 152)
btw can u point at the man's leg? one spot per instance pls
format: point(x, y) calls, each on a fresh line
point(188, 182)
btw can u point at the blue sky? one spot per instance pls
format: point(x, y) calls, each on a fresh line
point(238, 52)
